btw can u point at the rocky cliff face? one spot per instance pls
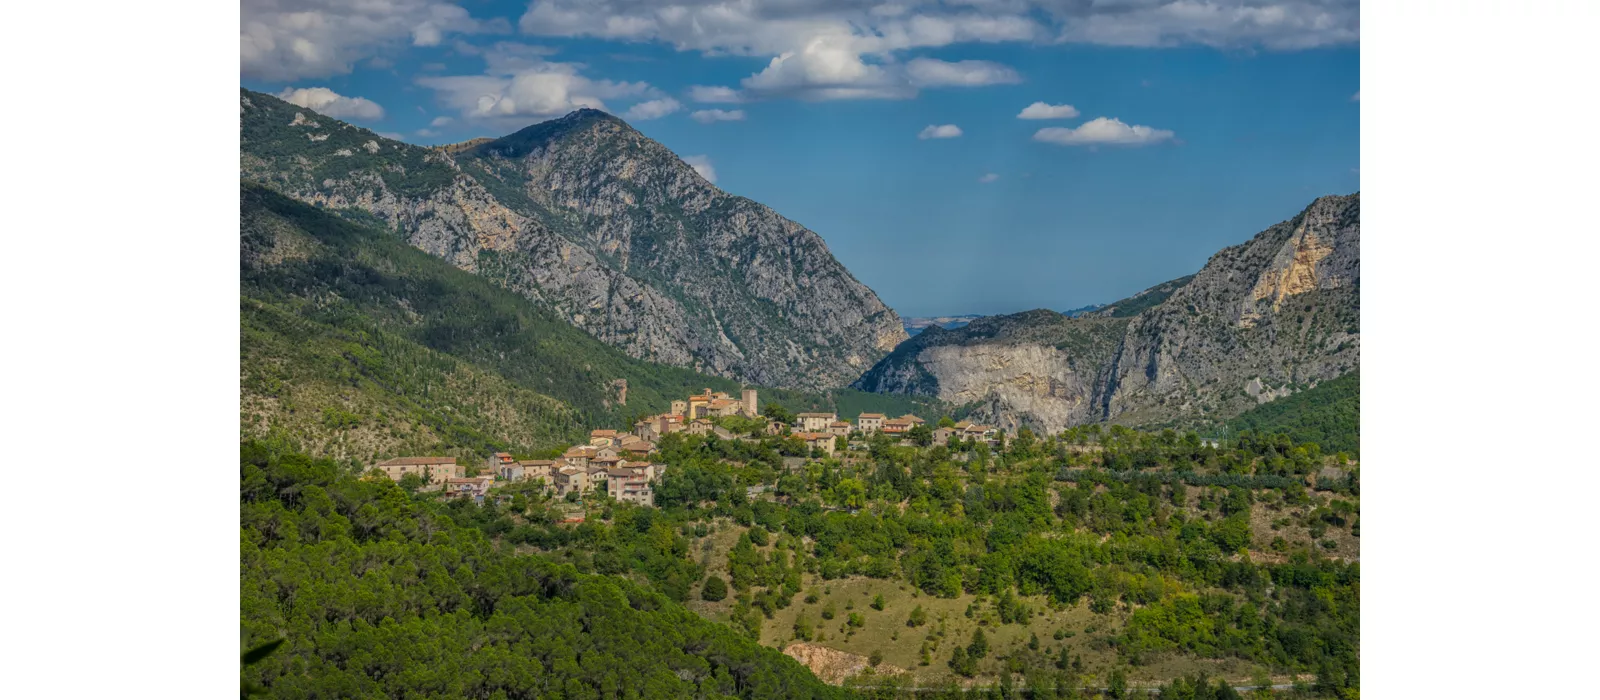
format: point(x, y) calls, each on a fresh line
point(605, 226)
point(1278, 313)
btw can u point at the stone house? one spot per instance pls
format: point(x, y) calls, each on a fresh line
point(896, 426)
point(815, 422)
point(870, 422)
point(631, 485)
point(532, 469)
point(603, 438)
point(700, 426)
point(821, 442)
point(474, 488)
point(571, 479)
point(840, 428)
point(433, 470)
point(498, 460)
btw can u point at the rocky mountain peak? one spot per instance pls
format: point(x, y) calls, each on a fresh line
point(608, 227)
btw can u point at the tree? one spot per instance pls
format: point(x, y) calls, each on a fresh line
point(715, 589)
point(918, 617)
point(921, 434)
point(946, 422)
point(979, 647)
point(877, 602)
point(876, 657)
point(1117, 687)
point(962, 663)
point(778, 414)
point(802, 628)
point(411, 482)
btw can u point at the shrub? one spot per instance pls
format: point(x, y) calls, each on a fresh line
point(715, 589)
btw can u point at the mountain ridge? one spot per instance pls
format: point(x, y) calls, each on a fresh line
point(1262, 319)
point(609, 228)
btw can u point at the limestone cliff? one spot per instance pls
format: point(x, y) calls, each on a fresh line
point(605, 226)
point(1263, 319)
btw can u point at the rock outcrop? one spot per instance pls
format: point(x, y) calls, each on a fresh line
point(605, 226)
point(1261, 320)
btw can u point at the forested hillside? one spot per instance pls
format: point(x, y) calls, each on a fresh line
point(381, 596)
point(1328, 414)
point(1049, 563)
point(356, 345)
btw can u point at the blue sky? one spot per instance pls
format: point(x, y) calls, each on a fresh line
point(1175, 127)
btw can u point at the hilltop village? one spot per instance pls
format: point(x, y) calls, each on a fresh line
point(625, 465)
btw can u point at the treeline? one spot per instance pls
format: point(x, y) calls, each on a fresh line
point(1328, 414)
point(379, 595)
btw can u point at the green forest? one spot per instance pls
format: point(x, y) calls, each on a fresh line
point(380, 595)
point(1083, 560)
point(1328, 414)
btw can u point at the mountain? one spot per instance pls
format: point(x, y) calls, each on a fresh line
point(607, 228)
point(914, 326)
point(354, 345)
point(1264, 319)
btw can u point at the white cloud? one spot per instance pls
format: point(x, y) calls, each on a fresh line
point(707, 116)
point(1271, 24)
point(702, 165)
point(826, 68)
point(441, 121)
point(1103, 132)
point(944, 131)
point(654, 109)
point(1040, 110)
point(333, 104)
point(878, 28)
point(521, 84)
point(928, 72)
point(285, 40)
point(715, 94)
point(988, 178)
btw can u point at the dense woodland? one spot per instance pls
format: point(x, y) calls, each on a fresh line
point(1328, 414)
point(379, 595)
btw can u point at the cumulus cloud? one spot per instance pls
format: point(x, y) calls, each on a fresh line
point(707, 116)
point(1103, 132)
point(943, 131)
point(520, 84)
point(333, 104)
point(653, 109)
point(928, 72)
point(864, 39)
point(989, 177)
point(702, 165)
point(1040, 110)
point(285, 40)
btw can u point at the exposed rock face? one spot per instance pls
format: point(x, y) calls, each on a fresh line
point(1262, 319)
point(833, 666)
point(609, 228)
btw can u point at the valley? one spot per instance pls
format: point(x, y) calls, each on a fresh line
point(607, 431)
